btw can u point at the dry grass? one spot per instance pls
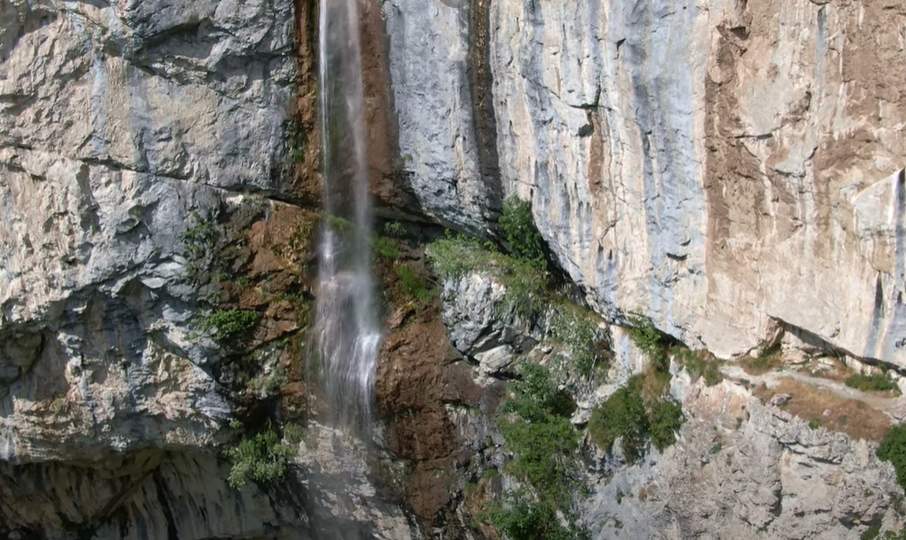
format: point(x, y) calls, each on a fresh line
point(762, 364)
point(853, 417)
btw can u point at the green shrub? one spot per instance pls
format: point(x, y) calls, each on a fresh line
point(666, 417)
point(893, 449)
point(699, 365)
point(877, 382)
point(651, 341)
point(526, 286)
point(578, 328)
point(413, 285)
point(260, 458)
point(637, 412)
point(199, 246)
point(814, 424)
point(521, 235)
point(230, 326)
point(386, 248)
point(522, 519)
point(293, 433)
point(622, 415)
point(395, 229)
point(538, 432)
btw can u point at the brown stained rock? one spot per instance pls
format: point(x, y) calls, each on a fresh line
point(415, 380)
point(305, 183)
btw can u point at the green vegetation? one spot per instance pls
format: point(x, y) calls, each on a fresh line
point(337, 224)
point(521, 518)
point(665, 419)
point(699, 364)
point(260, 458)
point(636, 413)
point(199, 244)
point(521, 235)
point(386, 248)
point(814, 424)
point(893, 449)
point(526, 286)
point(579, 329)
point(229, 326)
point(293, 433)
point(878, 382)
point(654, 344)
point(413, 285)
point(622, 415)
point(395, 229)
point(538, 432)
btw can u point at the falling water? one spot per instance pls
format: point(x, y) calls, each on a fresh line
point(346, 328)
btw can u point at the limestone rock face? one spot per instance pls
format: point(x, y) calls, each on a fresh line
point(741, 469)
point(117, 122)
point(720, 166)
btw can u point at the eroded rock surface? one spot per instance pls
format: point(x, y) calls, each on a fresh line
point(718, 166)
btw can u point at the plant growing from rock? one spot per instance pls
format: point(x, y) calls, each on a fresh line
point(543, 442)
point(520, 233)
point(579, 329)
point(893, 449)
point(876, 382)
point(259, 458)
point(199, 246)
point(229, 327)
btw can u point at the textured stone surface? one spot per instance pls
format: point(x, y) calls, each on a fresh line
point(741, 469)
point(718, 166)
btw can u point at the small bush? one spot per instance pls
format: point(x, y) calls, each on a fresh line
point(526, 286)
point(523, 519)
point(666, 419)
point(386, 248)
point(199, 246)
point(877, 382)
point(636, 413)
point(699, 365)
point(260, 458)
point(521, 235)
point(229, 326)
point(413, 285)
point(814, 424)
point(293, 433)
point(578, 328)
point(893, 449)
point(622, 415)
point(395, 229)
point(650, 341)
point(538, 432)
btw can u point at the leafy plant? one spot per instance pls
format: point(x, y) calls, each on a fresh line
point(877, 382)
point(544, 442)
point(199, 246)
point(699, 365)
point(386, 248)
point(622, 415)
point(526, 286)
point(229, 326)
point(260, 458)
point(636, 413)
point(893, 449)
point(520, 518)
point(521, 235)
point(666, 417)
point(578, 328)
point(650, 340)
point(394, 229)
point(413, 285)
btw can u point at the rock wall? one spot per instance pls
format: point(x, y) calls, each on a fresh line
point(722, 166)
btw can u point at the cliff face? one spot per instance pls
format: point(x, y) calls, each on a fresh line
point(731, 170)
point(724, 168)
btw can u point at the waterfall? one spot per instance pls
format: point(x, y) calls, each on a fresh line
point(347, 333)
